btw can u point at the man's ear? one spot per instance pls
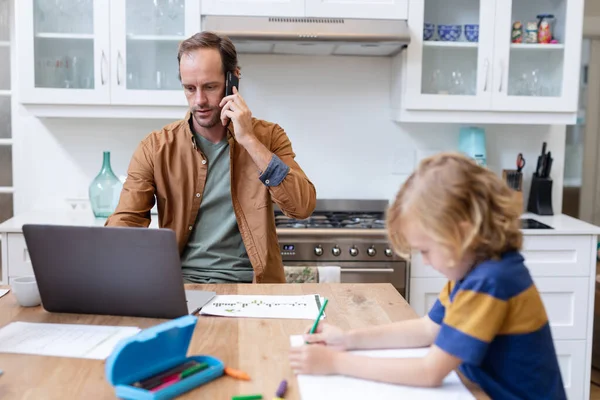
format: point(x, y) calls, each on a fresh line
point(238, 72)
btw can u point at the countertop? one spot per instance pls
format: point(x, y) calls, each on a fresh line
point(562, 224)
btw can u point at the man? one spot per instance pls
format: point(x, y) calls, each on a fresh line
point(215, 176)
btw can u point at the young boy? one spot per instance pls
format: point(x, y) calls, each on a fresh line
point(489, 320)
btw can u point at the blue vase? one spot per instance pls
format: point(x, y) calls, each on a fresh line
point(105, 190)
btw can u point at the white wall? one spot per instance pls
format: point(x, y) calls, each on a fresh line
point(335, 110)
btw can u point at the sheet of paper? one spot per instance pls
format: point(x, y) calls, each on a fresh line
point(316, 387)
point(3, 292)
point(245, 306)
point(62, 340)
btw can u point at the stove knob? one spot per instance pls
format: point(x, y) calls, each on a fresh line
point(318, 251)
point(353, 251)
point(371, 251)
point(336, 251)
point(389, 252)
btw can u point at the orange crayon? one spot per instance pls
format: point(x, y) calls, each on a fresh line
point(234, 373)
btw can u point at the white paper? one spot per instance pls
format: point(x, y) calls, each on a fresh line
point(62, 340)
point(317, 387)
point(290, 307)
point(3, 292)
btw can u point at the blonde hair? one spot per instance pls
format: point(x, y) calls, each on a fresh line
point(460, 205)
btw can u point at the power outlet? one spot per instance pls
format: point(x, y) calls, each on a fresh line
point(78, 204)
point(403, 162)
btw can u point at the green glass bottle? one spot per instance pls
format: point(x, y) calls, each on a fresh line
point(105, 190)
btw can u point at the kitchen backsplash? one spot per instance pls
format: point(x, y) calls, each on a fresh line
point(334, 109)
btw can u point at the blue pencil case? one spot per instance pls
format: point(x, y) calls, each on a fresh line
point(149, 365)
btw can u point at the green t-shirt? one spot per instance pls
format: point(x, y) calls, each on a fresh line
point(215, 252)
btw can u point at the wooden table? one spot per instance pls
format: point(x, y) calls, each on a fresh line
point(257, 346)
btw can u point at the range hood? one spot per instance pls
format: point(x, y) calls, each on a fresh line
point(314, 36)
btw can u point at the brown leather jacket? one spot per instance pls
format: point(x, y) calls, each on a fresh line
point(168, 165)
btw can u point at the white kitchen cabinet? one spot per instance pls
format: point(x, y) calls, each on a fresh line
point(264, 8)
point(144, 47)
point(106, 52)
point(571, 356)
point(63, 52)
point(488, 79)
point(424, 292)
point(565, 301)
point(446, 75)
point(377, 9)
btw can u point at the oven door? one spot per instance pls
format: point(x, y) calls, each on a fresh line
point(394, 272)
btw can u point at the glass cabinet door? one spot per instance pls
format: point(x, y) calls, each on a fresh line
point(539, 50)
point(145, 50)
point(66, 42)
point(449, 59)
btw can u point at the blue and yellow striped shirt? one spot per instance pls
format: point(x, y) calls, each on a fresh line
point(495, 322)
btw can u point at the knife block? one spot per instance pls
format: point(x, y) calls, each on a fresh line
point(540, 196)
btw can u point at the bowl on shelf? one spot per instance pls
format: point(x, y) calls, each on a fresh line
point(472, 32)
point(449, 33)
point(428, 31)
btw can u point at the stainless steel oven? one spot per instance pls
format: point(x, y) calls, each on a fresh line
point(348, 234)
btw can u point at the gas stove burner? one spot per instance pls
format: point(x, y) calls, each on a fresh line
point(330, 220)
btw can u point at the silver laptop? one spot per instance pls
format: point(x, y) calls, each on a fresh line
point(110, 271)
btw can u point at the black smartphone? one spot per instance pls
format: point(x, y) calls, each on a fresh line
point(231, 80)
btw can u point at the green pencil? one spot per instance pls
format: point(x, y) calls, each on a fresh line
point(314, 327)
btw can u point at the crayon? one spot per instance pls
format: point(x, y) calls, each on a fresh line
point(248, 397)
point(314, 327)
point(281, 389)
point(234, 373)
point(158, 379)
point(192, 370)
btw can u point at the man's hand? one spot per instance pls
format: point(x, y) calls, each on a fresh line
point(234, 107)
point(313, 359)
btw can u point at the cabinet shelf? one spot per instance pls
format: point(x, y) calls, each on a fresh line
point(155, 38)
point(53, 35)
point(461, 45)
point(537, 46)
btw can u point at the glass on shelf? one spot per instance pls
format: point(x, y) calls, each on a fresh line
point(449, 71)
point(155, 17)
point(71, 71)
point(64, 16)
point(535, 73)
point(157, 71)
point(450, 52)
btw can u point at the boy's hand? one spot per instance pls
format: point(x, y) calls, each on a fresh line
point(328, 335)
point(313, 359)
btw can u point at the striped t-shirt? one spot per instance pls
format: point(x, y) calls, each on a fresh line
point(495, 322)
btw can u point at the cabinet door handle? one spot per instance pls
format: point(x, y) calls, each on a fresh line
point(102, 61)
point(487, 69)
point(119, 63)
point(501, 76)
